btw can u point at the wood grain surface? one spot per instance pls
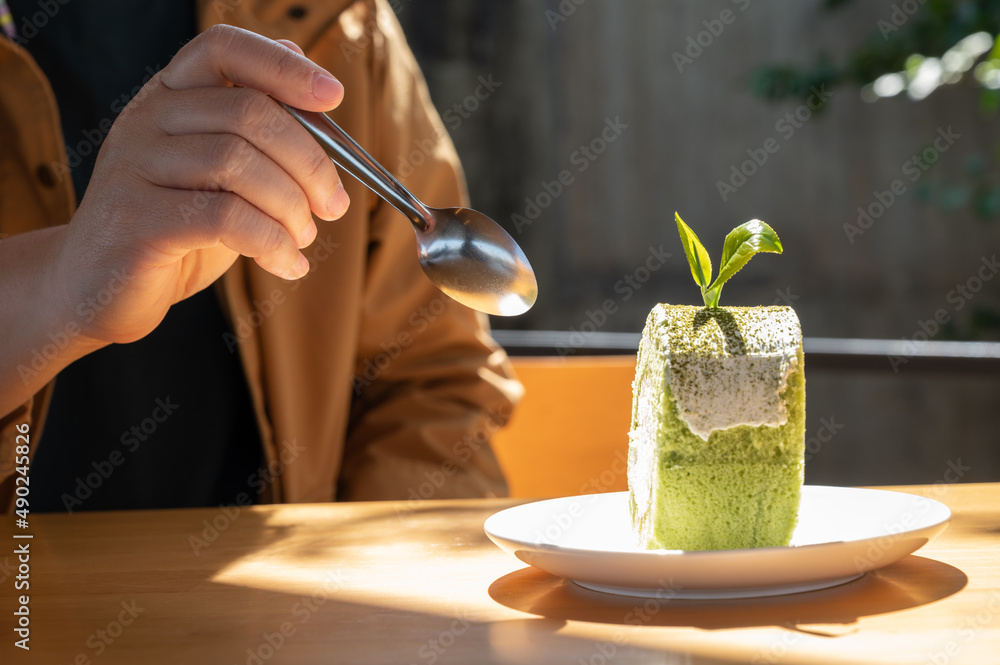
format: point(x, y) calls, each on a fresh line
point(421, 583)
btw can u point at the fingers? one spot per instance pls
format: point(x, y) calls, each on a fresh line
point(225, 162)
point(259, 121)
point(224, 54)
point(226, 218)
point(255, 173)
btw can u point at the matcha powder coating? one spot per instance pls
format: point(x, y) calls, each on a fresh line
point(718, 426)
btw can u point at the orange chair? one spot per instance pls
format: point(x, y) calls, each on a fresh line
point(570, 433)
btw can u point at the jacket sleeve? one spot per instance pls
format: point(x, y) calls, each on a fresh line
point(11, 437)
point(430, 385)
point(31, 139)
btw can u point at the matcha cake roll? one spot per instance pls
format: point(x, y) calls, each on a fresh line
point(718, 425)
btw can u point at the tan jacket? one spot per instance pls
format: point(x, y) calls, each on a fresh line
point(367, 382)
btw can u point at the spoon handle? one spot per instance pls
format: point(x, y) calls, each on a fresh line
point(352, 158)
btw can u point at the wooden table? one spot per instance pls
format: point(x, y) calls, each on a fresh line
point(401, 583)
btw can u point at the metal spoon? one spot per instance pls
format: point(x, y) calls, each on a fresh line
point(465, 253)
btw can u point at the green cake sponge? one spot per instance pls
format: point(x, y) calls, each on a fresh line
point(718, 426)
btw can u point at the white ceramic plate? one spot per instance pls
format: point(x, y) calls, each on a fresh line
point(842, 533)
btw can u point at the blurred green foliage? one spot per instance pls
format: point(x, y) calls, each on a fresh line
point(928, 28)
point(903, 40)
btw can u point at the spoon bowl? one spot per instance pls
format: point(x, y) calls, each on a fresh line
point(464, 253)
point(470, 258)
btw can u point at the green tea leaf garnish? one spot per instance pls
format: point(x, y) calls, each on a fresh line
point(741, 244)
point(701, 265)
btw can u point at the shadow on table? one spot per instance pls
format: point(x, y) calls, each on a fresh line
point(911, 582)
point(226, 584)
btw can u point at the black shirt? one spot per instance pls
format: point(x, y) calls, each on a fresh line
point(166, 421)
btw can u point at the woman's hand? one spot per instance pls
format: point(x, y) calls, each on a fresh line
point(202, 166)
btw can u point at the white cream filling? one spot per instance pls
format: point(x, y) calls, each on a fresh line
point(716, 393)
point(719, 380)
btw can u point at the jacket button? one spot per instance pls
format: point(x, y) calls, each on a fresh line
point(296, 12)
point(46, 175)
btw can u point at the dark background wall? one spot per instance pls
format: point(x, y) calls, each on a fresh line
point(522, 85)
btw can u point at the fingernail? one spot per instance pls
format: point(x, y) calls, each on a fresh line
point(339, 201)
point(326, 88)
point(301, 267)
point(308, 234)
